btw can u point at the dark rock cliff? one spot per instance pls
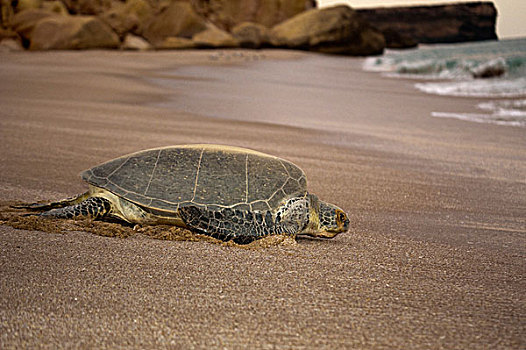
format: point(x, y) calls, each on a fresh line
point(450, 23)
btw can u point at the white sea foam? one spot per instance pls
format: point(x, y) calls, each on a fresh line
point(482, 118)
point(500, 112)
point(517, 105)
point(477, 88)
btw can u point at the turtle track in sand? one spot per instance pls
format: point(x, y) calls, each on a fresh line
point(16, 219)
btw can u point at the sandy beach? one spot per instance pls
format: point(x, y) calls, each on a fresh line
point(434, 258)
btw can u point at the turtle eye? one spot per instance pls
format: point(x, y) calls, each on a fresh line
point(340, 216)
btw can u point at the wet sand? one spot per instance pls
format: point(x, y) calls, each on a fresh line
point(434, 257)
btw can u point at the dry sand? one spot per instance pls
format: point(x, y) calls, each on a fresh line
point(435, 257)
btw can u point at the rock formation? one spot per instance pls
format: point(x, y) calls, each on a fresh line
point(295, 24)
point(214, 37)
point(24, 22)
point(72, 33)
point(437, 24)
point(336, 30)
point(251, 35)
point(226, 14)
point(182, 24)
point(176, 20)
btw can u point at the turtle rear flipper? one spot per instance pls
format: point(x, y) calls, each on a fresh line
point(52, 205)
point(93, 208)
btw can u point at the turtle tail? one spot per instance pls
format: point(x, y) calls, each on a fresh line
point(93, 207)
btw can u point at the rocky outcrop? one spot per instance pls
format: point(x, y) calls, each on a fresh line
point(213, 38)
point(226, 14)
point(128, 17)
point(176, 20)
point(336, 30)
point(182, 24)
point(72, 33)
point(437, 24)
point(251, 35)
point(88, 7)
point(24, 22)
point(120, 21)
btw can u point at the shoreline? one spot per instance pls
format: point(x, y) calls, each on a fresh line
point(434, 256)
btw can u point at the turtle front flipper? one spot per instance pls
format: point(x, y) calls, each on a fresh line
point(227, 224)
point(52, 205)
point(93, 207)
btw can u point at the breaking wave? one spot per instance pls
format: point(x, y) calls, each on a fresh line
point(455, 62)
point(492, 69)
point(500, 112)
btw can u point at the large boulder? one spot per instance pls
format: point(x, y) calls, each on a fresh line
point(251, 35)
point(128, 17)
point(336, 30)
point(24, 22)
point(72, 32)
point(88, 7)
point(226, 14)
point(176, 20)
point(142, 9)
point(214, 37)
point(120, 21)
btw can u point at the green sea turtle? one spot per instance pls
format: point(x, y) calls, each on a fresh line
point(226, 192)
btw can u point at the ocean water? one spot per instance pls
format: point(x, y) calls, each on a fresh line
point(491, 71)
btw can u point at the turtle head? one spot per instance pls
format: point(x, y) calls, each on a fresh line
point(333, 220)
point(326, 220)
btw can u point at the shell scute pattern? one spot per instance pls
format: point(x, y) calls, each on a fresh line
point(100, 174)
point(290, 186)
point(184, 165)
point(264, 178)
point(260, 205)
point(221, 179)
point(170, 178)
point(292, 170)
